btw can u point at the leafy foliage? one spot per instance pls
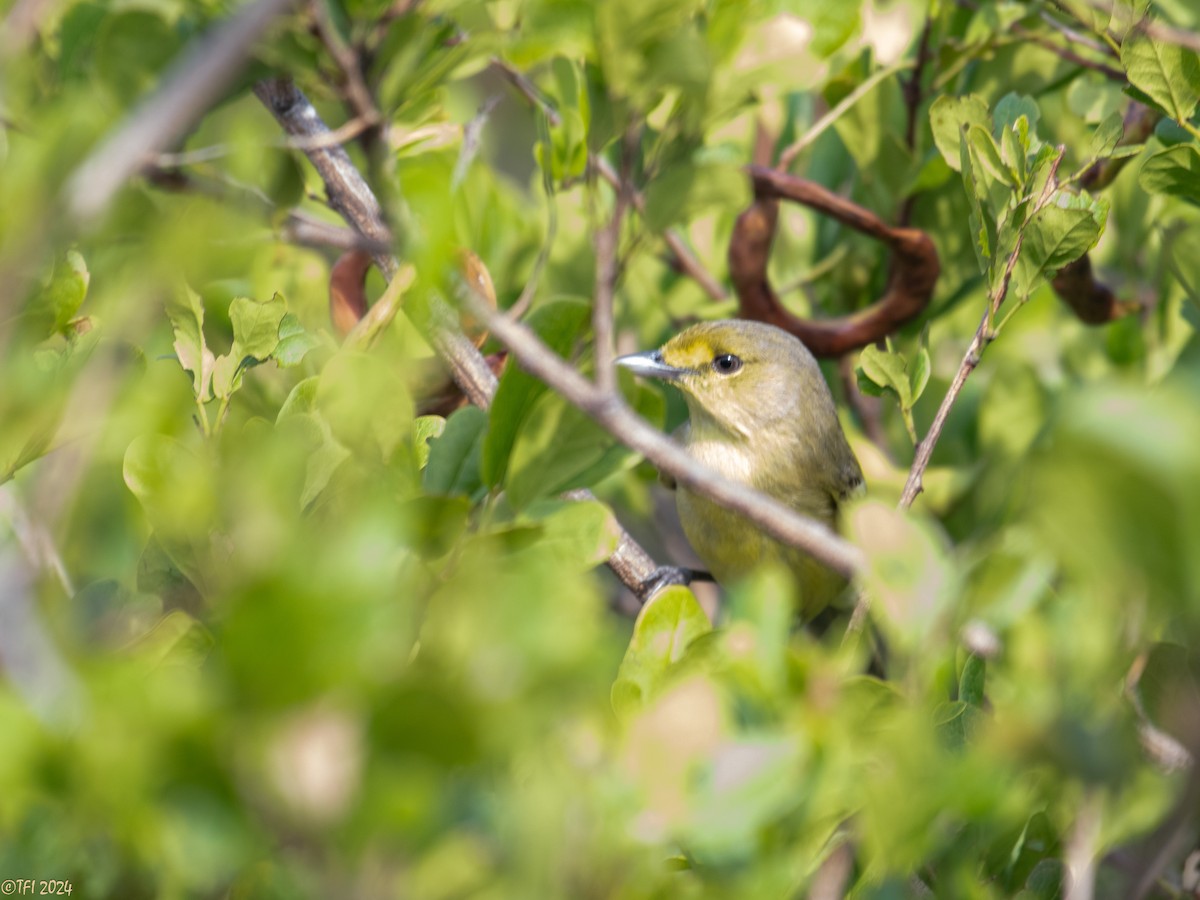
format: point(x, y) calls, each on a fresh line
point(275, 624)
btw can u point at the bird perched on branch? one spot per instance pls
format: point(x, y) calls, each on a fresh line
point(759, 413)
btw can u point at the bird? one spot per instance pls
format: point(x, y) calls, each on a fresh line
point(761, 414)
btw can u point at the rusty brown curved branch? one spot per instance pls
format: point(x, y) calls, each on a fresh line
point(913, 272)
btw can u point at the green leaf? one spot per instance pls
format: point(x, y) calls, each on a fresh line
point(1168, 73)
point(576, 535)
point(227, 374)
point(1174, 171)
point(950, 117)
point(425, 429)
point(294, 342)
point(559, 324)
point(556, 444)
point(909, 576)
point(833, 23)
point(1054, 237)
point(1106, 136)
point(186, 312)
point(971, 682)
point(454, 456)
point(432, 524)
point(256, 326)
point(985, 156)
point(175, 489)
point(1010, 109)
point(365, 403)
point(664, 629)
point(885, 369)
point(58, 302)
point(955, 722)
point(918, 376)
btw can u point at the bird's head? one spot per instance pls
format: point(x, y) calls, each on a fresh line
point(739, 377)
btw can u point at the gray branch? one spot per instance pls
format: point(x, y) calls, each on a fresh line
point(352, 197)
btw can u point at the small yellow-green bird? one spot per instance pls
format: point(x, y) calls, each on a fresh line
point(761, 414)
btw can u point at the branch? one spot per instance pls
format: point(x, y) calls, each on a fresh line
point(611, 413)
point(357, 94)
point(914, 266)
point(607, 273)
point(983, 336)
point(788, 156)
point(352, 197)
point(190, 87)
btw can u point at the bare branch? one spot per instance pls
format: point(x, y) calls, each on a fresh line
point(788, 156)
point(612, 414)
point(189, 88)
point(351, 196)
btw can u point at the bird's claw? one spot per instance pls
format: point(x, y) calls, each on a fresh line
point(667, 576)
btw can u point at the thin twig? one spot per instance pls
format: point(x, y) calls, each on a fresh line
point(684, 260)
point(343, 134)
point(612, 414)
point(1075, 37)
point(607, 272)
point(866, 408)
point(913, 95)
point(1081, 849)
point(358, 95)
point(29, 660)
point(983, 336)
point(529, 291)
point(189, 88)
point(788, 156)
point(528, 90)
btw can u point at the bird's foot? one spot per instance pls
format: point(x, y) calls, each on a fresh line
point(666, 576)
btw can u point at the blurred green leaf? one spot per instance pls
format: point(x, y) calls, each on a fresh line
point(1174, 171)
point(558, 324)
point(58, 302)
point(665, 627)
point(186, 312)
point(455, 455)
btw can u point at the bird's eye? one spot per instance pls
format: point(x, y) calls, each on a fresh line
point(726, 364)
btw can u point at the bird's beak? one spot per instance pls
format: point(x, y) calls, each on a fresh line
point(650, 365)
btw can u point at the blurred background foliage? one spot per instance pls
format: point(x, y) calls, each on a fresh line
point(270, 629)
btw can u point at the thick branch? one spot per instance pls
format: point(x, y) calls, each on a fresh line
point(351, 196)
point(914, 266)
point(357, 204)
point(612, 414)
